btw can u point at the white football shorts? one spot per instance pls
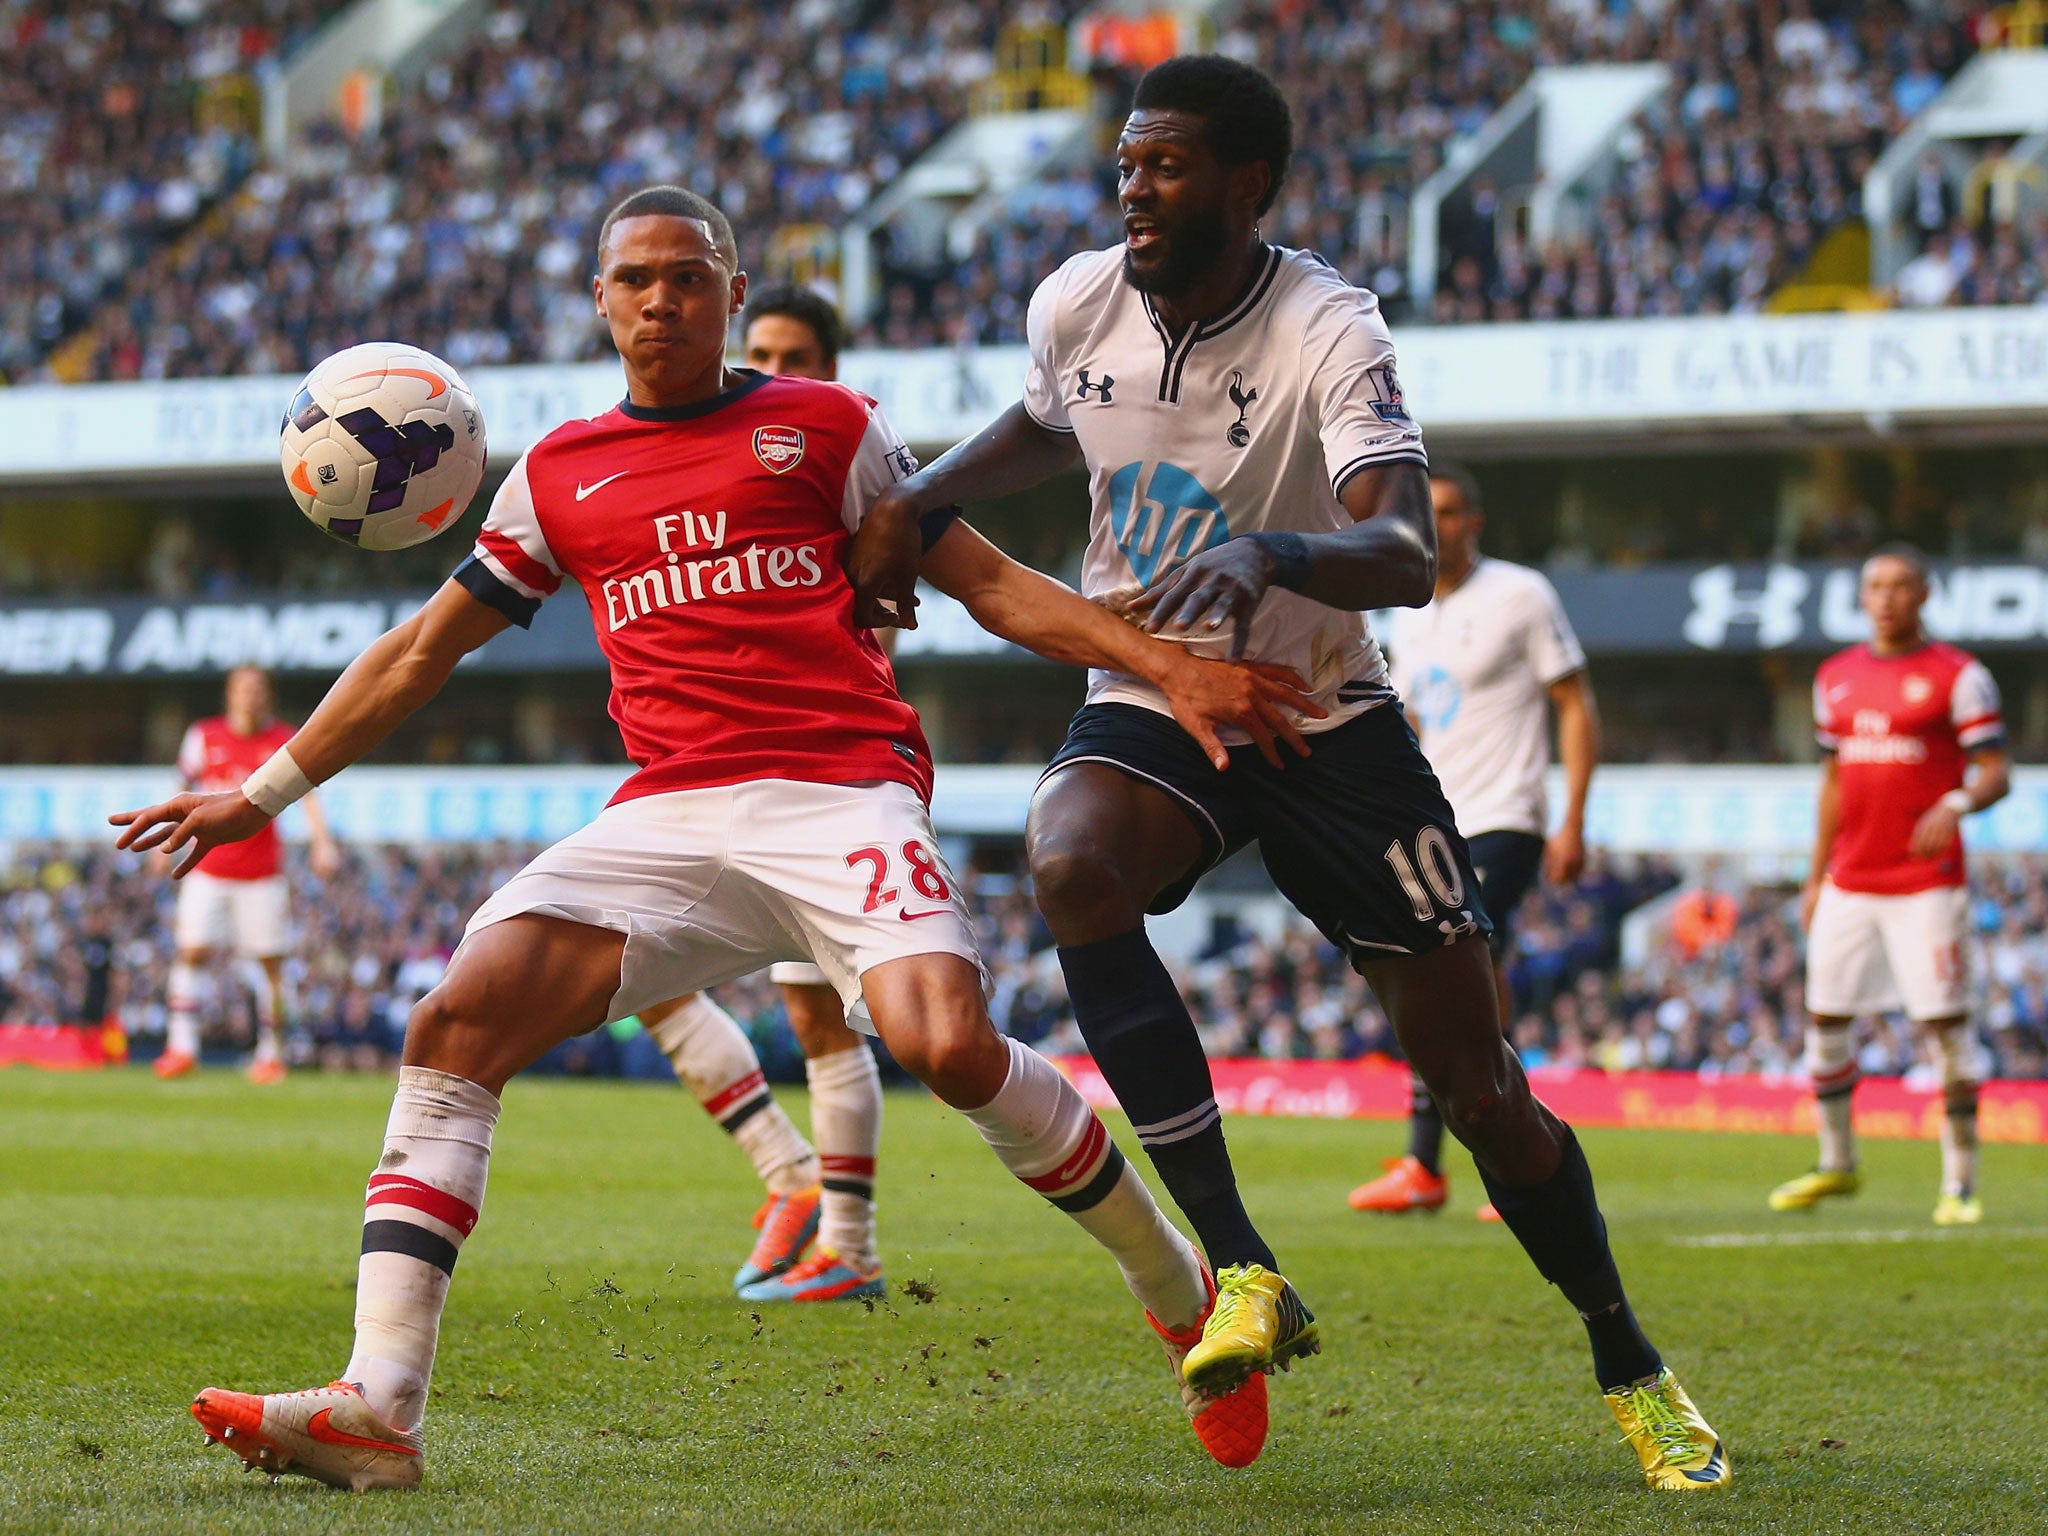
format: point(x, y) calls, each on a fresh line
point(1871, 954)
point(709, 885)
point(797, 973)
point(248, 917)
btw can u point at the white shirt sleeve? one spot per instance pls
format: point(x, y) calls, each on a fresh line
point(1975, 708)
point(1827, 730)
point(1044, 396)
point(1553, 649)
point(881, 459)
point(511, 546)
point(192, 755)
point(1348, 359)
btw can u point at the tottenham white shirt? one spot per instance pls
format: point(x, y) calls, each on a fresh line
point(1248, 422)
point(1474, 669)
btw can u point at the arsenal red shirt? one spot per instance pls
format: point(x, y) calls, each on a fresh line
point(1902, 729)
point(214, 757)
point(708, 540)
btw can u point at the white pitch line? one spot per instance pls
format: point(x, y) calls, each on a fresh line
point(1865, 1236)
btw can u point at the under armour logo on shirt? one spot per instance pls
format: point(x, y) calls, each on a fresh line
point(1083, 386)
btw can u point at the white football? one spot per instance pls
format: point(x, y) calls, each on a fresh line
point(383, 445)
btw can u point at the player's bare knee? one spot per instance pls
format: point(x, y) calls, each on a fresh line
point(958, 1055)
point(1080, 889)
point(441, 1030)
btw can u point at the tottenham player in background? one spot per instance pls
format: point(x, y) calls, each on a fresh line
point(779, 810)
point(1255, 476)
point(1913, 741)
point(237, 903)
point(824, 1193)
point(1475, 669)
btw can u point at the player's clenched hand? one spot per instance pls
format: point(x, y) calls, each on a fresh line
point(201, 822)
point(882, 563)
point(1251, 696)
point(1564, 855)
point(1935, 831)
point(1219, 587)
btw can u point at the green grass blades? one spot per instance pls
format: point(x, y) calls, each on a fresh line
point(1870, 1374)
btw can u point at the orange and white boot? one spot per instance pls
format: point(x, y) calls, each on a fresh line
point(267, 1071)
point(1232, 1428)
point(328, 1433)
point(175, 1064)
point(1405, 1186)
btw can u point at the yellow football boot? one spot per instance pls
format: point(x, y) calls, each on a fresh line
point(1958, 1211)
point(1258, 1323)
point(1809, 1189)
point(1678, 1450)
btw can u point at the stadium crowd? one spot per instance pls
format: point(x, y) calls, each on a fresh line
point(1728, 182)
point(462, 222)
point(1718, 989)
point(120, 124)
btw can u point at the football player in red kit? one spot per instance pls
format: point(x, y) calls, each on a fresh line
point(1914, 742)
point(779, 812)
point(237, 903)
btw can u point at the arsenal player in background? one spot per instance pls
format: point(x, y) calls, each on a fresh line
point(237, 901)
point(1913, 742)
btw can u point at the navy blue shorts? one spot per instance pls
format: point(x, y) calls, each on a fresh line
point(1357, 835)
point(1507, 864)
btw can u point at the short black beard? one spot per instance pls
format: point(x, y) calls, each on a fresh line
point(1197, 246)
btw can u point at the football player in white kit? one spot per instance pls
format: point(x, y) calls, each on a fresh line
point(1475, 670)
point(1254, 471)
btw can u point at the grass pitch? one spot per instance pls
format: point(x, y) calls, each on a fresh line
point(1870, 1376)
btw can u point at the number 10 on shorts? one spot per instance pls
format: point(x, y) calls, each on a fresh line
point(927, 878)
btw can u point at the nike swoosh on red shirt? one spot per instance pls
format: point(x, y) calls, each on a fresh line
point(320, 1429)
point(583, 490)
point(908, 916)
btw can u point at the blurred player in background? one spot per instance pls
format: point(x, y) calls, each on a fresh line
point(1914, 741)
point(780, 807)
point(1255, 482)
point(1475, 669)
point(237, 902)
point(826, 1193)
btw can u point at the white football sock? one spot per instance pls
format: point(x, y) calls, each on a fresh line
point(846, 1122)
point(181, 1027)
point(1831, 1068)
point(268, 1011)
point(716, 1062)
point(1964, 1064)
point(423, 1201)
point(1045, 1133)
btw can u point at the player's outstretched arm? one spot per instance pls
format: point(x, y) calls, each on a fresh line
point(1011, 453)
point(1032, 610)
point(398, 673)
point(1385, 559)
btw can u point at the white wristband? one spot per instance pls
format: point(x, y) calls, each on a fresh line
point(277, 783)
point(1959, 801)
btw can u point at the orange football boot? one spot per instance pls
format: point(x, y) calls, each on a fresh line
point(175, 1064)
point(1232, 1428)
point(1405, 1186)
point(329, 1433)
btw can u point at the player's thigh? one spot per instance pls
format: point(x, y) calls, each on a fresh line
point(1847, 973)
point(203, 918)
point(514, 990)
point(1925, 938)
point(261, 917)
point(854, 875)
point(1359, 838)
point(1127, 817)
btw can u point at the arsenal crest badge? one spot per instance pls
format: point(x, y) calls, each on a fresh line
point(781, 449)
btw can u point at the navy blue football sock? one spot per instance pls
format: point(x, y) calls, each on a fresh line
point(1559, 1223)
point(1144, 1042)
point(1425, 1127)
